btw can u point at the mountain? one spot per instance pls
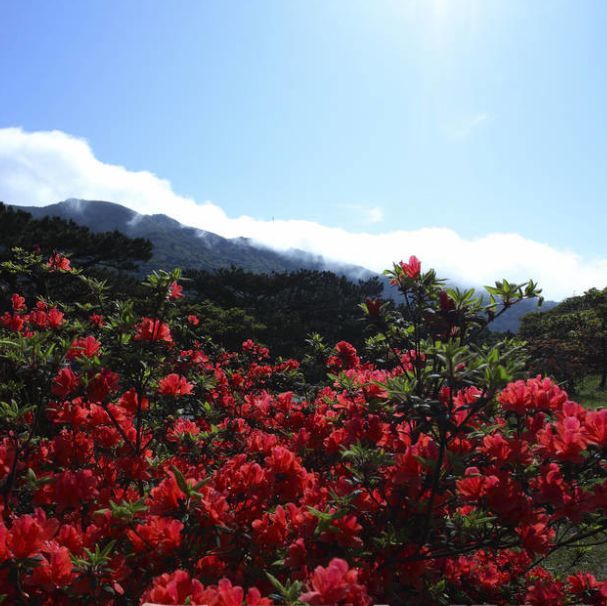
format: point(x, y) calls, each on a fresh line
point(177, 245)
point(510, 320)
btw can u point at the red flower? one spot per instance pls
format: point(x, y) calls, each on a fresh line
point(153, 330)
point(83, 347)
point(179, 588)
point(344, 531)
point(18, 302)
point(73, 488)
point(13, 322)
point(475, 485)
point(289, 475)
point(543, 589)
point(587, 589)
point(58, 261)
point(55, 318)
point(570, 439)
point(193, 320)
point(516, 397)
point(175, 385)
point(596, 427)
point(65, 382)
point(182, 428)
point(158, 534)
point(552, 486)
point(373, 306)
point(29, 533)
point(133, 402)
point(346, 357)
point(271, 530)
point(54, 569)
point(96, 320)
point(335, 584)
point(413, 268)
point(102, 385)
point(175, 291)
point(175, 588)
point(229, 595)
point(166, 496)
point(536, 538)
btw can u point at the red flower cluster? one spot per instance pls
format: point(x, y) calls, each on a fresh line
point(41, 317)
point(144, 465)
point(58, 261)
point(153, 330)
point(412, 269)
point(174, 385)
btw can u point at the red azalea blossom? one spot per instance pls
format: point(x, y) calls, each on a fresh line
point(97, 320)
point(413, 268)
point(29, 533)
point(335, 584)
point(175, 385)
point(158, 534)
point(153, 330)
point(54, 570)
point(54, 318)
point(18, 302)
point(102, 384)
point(64, 383)
point(58, 261)
point(401, 475)
point(72, 488)
point(179, 588)
point(176, 588)
point(182, 428)
point(175, 291)
point(133, 402)
point(86, 347)
point(373, 306)
point(345, 357)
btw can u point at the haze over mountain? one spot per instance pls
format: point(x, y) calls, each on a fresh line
point(40, 168)
point(178, 245)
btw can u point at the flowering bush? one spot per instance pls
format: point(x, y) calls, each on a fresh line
point(140, 462)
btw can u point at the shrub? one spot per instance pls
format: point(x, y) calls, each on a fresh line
point(140, 462)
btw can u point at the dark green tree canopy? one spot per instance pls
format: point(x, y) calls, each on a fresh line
point(569, 342)
point(111, 250)
point(289, 306)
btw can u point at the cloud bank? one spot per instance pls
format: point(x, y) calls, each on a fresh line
point(39, 168)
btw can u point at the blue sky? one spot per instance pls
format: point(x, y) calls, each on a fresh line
point(480, 116)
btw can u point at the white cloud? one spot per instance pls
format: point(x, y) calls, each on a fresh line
point(45, 167)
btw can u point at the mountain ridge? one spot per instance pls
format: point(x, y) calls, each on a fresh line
point(179, 245)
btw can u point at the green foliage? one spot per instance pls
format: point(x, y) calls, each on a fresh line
point(569, 342)
point(283, 309)
point(87, 249)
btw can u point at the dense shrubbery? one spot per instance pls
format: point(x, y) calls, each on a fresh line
point(105, 250)
point(569, 341)
point(286, 307)
point(139, 461)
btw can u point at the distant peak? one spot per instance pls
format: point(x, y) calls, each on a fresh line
point(82, 205)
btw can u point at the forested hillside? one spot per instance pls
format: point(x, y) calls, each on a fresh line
point(177, 245)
